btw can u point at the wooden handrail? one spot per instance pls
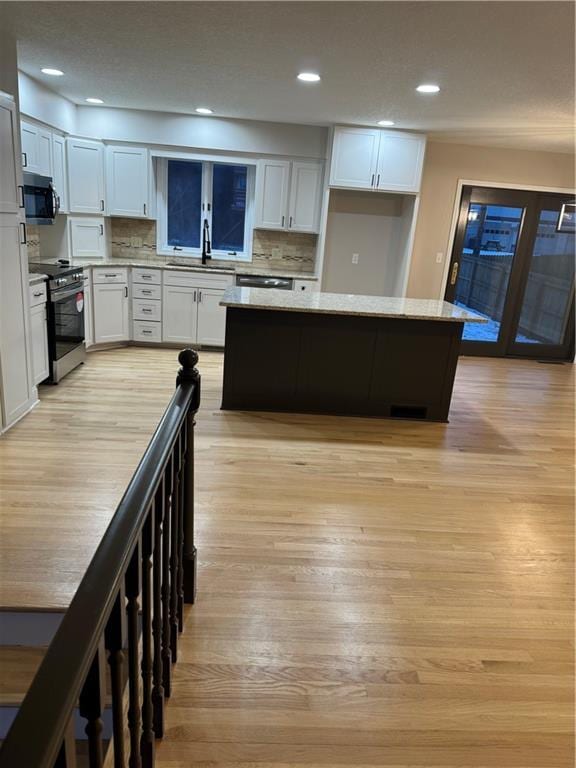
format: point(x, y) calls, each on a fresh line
point(152, 528)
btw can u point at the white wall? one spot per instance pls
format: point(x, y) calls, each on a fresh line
point(375, 226)
point(166, 129)
point(42, 104)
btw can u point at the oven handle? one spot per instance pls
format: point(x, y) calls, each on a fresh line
point(58, 295)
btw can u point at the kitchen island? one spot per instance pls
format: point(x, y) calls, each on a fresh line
point(341, 354)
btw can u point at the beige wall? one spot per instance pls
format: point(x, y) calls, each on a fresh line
point(447, 163)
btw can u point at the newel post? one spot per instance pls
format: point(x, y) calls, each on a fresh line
point(188, 374)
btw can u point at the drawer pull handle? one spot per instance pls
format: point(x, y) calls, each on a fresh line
point(36, 295)
point(145, 277)
point(146, 292)
point(144, 330)
point(146, 309)
point(114, 274)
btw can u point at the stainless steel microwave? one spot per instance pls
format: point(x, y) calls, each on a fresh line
point(41, 202)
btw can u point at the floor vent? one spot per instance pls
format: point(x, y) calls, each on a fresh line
point(408, 411)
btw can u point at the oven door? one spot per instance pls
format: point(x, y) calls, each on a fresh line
point(40, 199)
point(67, 316)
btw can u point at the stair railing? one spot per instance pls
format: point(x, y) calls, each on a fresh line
point(123, 623)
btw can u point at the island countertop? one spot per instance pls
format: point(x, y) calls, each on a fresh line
point(347, 304)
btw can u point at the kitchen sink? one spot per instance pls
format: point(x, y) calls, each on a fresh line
point(200, 266)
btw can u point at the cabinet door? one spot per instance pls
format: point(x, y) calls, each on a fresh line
point(87, 239)
point(354, 157)
point(272, 194)
point(179, 314)
point(11, 195)
point(44, 152)
point(36, 148)
point(59, 175)
point(88, 313)
point(39, 338)
point(85, 176)
point(29, 141)
point(400, 160)
point(127, 181)
point(305, 196)
point(211, 318)
point(15, 382)
point(110, 312)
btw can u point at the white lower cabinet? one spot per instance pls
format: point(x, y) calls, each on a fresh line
point(39, 345)
point(211, 323)
point(142, 330)
point(88, 313)
point(110, 312)
point(191, 311)
point(179, 314)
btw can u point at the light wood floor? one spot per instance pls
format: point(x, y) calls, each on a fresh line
point(372, 593)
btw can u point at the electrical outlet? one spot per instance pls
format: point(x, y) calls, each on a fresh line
point(276, 253)
point(439, 257)
point(136, 242)
point(355, 257)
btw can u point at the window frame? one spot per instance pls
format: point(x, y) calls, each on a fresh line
point(162, 246)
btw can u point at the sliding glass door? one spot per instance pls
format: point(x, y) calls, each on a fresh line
point(513, 262)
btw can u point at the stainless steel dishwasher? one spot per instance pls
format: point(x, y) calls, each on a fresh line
point(262, 281)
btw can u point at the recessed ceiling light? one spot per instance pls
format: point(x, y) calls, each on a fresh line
point(92, 100)
point(428, 88)
point(308, 77)
point(385, 122)
point(204, 111)
point(53, 72)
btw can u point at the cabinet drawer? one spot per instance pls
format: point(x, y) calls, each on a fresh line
point(37, 294)
point(143, 331)
point(197, 280)
point(147, 310)
point(153, 276)
point(110, 276)
point(146, 291)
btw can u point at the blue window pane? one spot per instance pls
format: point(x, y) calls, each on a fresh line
point(228, 207)
point(184, 203)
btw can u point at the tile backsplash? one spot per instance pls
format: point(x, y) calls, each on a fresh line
point(33, 242)
point(135, 239)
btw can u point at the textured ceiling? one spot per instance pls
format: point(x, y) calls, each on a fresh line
point(506, 68)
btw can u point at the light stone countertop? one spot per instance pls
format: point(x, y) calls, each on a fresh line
point(347, 304)
point(36, 279)
point(240, 268)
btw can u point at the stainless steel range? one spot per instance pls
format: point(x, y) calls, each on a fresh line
point(66, 346)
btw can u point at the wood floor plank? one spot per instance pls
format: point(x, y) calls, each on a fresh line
point(371, 593)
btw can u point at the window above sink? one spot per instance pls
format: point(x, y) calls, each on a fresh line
point(216, 196)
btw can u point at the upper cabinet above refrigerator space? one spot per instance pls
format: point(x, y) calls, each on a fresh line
point(378, 160)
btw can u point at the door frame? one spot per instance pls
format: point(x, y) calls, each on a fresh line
point(456, 213)
point(566, 351)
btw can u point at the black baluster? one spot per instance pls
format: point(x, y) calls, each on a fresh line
point(147, 739)
point(114, 637)
point(166, 654)
point(180, 590)
point(91, 706)
point(132, 593)
point(67, 752)
point(188, 359)
point(157, 685)
point(175, 513)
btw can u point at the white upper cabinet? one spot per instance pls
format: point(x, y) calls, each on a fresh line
point(305, 196)
point(59, 175)
point(369, 158)
point(127, 181)
point(85, 176)
point(87, 238)
point(288, 195)
point(36, 148)
point(11, 192)
point(354, 157)
point(400, 160)
point(272, 193)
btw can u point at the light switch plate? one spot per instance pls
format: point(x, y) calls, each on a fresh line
point(355, 257)
point(439, 257)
